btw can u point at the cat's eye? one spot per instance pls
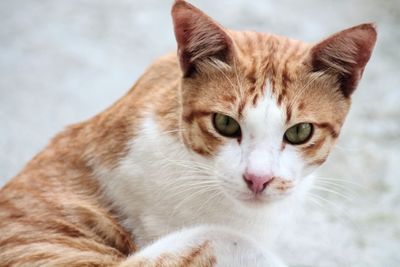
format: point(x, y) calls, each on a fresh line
point(299, 133)
point(226, 126)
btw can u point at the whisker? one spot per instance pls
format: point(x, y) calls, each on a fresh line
point(189, 197)
point(334, 185)
point(316, 202)
point(333, 192)
point(212, 197)
point(339, 212)
point(342, 180)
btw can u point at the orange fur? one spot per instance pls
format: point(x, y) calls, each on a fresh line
point(54, 212)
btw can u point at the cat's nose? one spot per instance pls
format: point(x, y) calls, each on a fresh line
point(257, 183)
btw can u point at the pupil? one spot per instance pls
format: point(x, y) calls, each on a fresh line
point(226, 121)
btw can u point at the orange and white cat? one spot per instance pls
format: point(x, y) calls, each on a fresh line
point(199, 164)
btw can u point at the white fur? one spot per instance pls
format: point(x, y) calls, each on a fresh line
point(260, 151)
point(161, 187)
point(229, 248)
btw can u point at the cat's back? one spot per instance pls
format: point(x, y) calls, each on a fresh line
point(56, 201)
point(66, 166)
point(163, 74)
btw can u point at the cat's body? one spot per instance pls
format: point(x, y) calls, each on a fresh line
point(158, 152)
point(152, 164)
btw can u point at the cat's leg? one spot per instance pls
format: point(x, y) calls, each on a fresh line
point(203, 246)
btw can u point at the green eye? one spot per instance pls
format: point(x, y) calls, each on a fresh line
point(226, 125)
point(299, 133)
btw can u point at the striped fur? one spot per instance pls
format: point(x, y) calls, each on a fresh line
point(102, 193)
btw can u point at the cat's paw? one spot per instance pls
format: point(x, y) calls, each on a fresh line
point(204, 246)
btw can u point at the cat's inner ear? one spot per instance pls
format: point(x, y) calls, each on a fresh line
point(200, 39)
point(345, 55)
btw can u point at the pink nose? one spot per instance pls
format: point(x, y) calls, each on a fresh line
point(256, 183)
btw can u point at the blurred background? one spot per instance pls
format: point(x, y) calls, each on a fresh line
point(62, 61)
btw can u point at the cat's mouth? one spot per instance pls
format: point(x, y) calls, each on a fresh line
point(262, 199)
point(279, 190)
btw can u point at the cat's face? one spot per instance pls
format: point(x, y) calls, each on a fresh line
point(257, 142)
point(264, 111)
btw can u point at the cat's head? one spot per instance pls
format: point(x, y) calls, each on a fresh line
point(264, 111)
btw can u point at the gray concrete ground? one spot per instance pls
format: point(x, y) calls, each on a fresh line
point(63, 61)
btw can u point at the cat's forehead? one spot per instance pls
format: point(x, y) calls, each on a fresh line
point(273, 69)
point(265, 57)
point(266, 69)
point(268, 52)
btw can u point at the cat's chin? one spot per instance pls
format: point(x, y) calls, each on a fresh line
point(261, 200)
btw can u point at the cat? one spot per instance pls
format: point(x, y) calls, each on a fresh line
point(199, 164)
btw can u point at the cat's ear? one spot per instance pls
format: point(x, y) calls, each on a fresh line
point(199, 38)
point(345, 55)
